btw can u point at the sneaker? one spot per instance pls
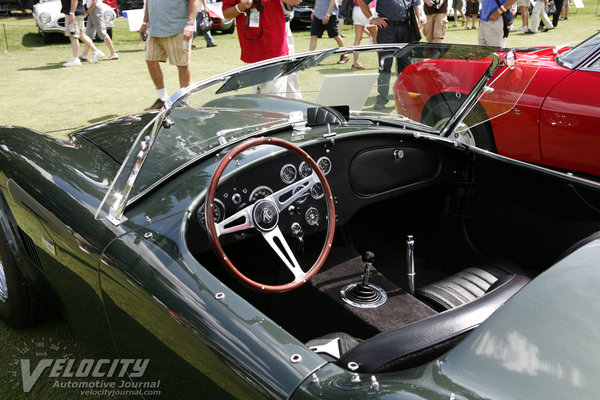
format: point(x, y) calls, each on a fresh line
point(548, 29)
point(523, 28)
point(72, 62)
point(212, 44)
point(529, 31)
point(467, 28)
point(455, 24)
point(156, 106)
point(83, 58)
point(97, 56)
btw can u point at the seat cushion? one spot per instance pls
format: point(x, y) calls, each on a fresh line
point(456, 290)
point(466, 285)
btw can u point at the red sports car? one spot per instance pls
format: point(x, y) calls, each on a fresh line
point(554, 121)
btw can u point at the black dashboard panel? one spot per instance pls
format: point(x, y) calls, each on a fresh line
point(379, 170)
point(360, 170)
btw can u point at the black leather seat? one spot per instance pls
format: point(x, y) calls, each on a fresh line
point(466, 285)
point(424, 340)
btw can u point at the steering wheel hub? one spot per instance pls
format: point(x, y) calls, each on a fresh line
point(265, 215)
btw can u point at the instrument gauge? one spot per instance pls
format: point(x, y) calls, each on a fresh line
point(305, 169)
point(260, 192)
point(288, 173)
point(311, 216)
point(317, 191)
point(302, 198)
point(324, 164)
point(218, 210)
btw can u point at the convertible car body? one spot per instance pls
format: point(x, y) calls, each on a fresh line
point(276, 243)
point(554, 123)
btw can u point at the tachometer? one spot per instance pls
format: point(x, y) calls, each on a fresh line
point(218, 209)
point(260, 192)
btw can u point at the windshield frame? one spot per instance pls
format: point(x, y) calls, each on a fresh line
point(118, 198)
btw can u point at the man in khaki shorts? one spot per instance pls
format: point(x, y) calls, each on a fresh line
point(168, 26)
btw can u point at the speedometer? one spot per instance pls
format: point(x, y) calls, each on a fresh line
point(260, 192)
point(218, 210)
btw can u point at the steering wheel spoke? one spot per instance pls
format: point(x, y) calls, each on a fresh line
point(297, 190)
point(239, 221)
point(278, 243)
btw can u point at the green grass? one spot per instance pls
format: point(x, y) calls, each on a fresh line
point(37, 92)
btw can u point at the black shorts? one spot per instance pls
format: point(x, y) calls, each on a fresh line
point(472, 9)
point(317, 27)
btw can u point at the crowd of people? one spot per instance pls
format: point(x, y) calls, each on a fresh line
point(263, 30)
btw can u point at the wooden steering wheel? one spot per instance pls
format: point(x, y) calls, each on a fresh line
point(263, 216)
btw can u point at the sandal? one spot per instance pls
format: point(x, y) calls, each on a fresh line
point(343, 59)
point(358, 67)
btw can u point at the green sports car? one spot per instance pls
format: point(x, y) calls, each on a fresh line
point(270, 234)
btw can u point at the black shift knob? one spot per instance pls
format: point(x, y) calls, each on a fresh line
point(368, 257)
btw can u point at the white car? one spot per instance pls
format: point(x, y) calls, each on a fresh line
point(50, 19)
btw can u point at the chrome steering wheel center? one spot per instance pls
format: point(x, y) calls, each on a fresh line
point(265, 215)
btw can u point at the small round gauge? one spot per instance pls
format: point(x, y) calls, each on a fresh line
point(260, 192)
point(305, 169)
point(288, 173)
point(317, 191)
point(311, 216)
point(218, 209)
point(302, 198)
point(324, 164)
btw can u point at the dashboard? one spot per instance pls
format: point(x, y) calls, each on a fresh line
point(360, 171)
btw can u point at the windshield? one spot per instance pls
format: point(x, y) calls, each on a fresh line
point(580, 53)
point(429, 85)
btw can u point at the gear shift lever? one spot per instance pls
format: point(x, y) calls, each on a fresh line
point(364, 294)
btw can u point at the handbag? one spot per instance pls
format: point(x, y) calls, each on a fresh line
point(204, 24)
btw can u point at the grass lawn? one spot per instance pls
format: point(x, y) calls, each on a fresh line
point(36, 91)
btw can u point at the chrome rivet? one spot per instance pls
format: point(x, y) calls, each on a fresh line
point(296, 358)
point(148, 219)
point(352, 365)
point(148, 235)
point(220, 296)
